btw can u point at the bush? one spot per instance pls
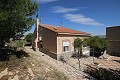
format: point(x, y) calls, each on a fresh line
point(12, 63)
point(98, 44)
point(77, 43)
point(104, 74)
point(29, 37)
point(20, 43)
point(16, 44)
point(59, 75)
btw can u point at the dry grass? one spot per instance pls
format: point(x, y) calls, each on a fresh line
point(40, 68)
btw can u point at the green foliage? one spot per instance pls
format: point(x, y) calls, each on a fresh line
point(12, 63)
point(15, 18)
point(20, 43)
point(96, 43)
point(29, 37)
point(104, 74)
point(16, 43)
point(59, 76)
point(39, 78)
point(77, 43)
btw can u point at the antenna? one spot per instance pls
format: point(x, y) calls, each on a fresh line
point(61, 24)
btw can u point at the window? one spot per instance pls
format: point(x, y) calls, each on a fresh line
point(66, 46)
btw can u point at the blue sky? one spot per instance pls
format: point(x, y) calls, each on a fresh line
point(92, 16)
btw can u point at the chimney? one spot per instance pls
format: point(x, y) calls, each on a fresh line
point(37, 20)
point(37, 26)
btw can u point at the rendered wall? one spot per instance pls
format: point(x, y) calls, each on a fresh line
point(49, 39)
point(71, 39)
point(113, 37)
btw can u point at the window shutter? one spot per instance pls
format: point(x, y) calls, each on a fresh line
point(66, 43)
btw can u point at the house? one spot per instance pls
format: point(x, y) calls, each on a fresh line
point(113, 37)
point(55, 39)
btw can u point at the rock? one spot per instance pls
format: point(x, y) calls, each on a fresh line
point(17, 72)
point(31, 72)
point(10, 78)
point(33, 64)
point(10, 73)
point(3, 73)
point(15, 77)
point(27, 78)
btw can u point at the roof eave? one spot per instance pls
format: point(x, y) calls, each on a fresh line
point(75, 34)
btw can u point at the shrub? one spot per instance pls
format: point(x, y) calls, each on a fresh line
point(20, 43)
point(29, 37)
point(104, 74)
point(98, 44)
point(16, 44)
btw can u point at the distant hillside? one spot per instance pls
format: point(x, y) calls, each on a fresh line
point(102, 36)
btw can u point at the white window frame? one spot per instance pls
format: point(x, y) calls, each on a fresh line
point(66, 44)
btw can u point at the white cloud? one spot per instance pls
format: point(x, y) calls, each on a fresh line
point(79, 18)
point(44, 1)
point(61, 9)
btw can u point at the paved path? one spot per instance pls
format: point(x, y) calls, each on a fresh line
point(69, 71)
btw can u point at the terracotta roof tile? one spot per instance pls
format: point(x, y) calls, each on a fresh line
point(59, 29)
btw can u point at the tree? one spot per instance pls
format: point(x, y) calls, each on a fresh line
point(15, 18)
point(98, 44)
point(78, 44)
point(29, 37)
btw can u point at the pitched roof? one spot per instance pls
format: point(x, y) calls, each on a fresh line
point(61, 30)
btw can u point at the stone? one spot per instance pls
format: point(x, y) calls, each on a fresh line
point(31, 72)
point(17, 72)
point(3, 73)
point(10, 73)
point(33, 64)
point(27, 78)
point(15, 77)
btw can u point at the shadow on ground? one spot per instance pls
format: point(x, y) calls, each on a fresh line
point(81, 56)
point(103, 74)
point(49, 53)
point(6, 53)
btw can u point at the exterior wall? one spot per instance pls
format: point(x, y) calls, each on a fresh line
point(113, 37)
point(62, 38)
point(33, 38)
point(49, 39)
point(60, 44)
point(113, 33)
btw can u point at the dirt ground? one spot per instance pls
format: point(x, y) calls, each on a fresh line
point(32, 67)
point(40, 66)
point(69, 71)
point(106, 61)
